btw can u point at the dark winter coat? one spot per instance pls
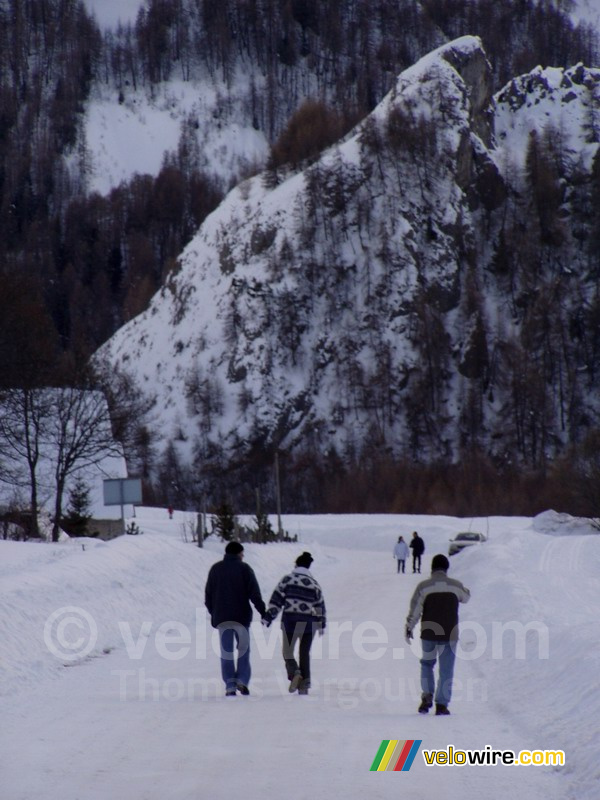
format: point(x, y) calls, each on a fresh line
point(230, 587)
point(417, 545)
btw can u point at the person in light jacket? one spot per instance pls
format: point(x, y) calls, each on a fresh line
point(299, 596)
point(435, 602)
point(401, 553)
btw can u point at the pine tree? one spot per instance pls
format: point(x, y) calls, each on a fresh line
point(264, 530)
point(225, 521)
point(78, 511)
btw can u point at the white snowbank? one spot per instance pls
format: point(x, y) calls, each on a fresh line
point(142, 714)
point(557, 523)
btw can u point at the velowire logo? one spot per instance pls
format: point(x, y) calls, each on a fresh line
point(395, 755)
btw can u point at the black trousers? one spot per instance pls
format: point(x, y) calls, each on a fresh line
point(301, 633)
point(416, 562)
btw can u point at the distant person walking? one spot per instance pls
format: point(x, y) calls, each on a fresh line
point(299, 597)
point(230, 587)
point(401, 553)
point(435, 602)
point(417, 545)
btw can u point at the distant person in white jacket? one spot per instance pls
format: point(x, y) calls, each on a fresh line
point(401, 553)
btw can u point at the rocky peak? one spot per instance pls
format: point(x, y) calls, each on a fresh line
point(353, 301)
point(469, 60)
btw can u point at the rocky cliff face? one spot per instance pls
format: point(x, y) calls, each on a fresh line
point(386, 294)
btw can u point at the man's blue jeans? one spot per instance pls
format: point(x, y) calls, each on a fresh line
point(234, 635)
point(445, 652)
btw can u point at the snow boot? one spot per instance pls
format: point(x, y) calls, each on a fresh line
point(426, 703)
point(242, 689)
point(441, 710)
point(295, 681)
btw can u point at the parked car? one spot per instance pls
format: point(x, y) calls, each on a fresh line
point(465, 539)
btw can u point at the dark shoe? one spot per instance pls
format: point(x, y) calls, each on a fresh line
point(440, 710)
point(243, 689)
point(303, 690)
point(295, 681)
point(426, 703)
point(230, 693)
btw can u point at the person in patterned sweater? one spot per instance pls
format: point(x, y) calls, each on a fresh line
point(299, 597)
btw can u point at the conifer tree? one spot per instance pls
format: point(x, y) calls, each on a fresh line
point(78, 510)
point(225, 521)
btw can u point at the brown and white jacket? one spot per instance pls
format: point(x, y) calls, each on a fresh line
point(435, 602)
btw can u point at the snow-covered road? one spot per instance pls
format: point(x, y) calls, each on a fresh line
point(147, 719)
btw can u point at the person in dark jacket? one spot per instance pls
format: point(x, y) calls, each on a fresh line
point(300, 598)
point(417, 545)
point(230, 588)
point(435, 602)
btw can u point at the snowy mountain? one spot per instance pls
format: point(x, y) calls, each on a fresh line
point(130, 135)
point(388, 295)
point(125, 123)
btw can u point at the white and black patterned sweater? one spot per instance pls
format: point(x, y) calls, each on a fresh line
point(299, 595)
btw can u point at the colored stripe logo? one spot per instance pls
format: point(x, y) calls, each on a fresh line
point(395, 755)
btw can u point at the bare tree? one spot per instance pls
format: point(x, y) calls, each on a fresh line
point(79, 435)
point(55, 433)
point(129, 409)
point(23, 415)
point(587, 475)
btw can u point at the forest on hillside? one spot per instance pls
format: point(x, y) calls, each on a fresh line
point(523, 430)
point(75, 266)
point(81, 265)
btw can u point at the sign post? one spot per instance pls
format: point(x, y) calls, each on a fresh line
point(122, 492)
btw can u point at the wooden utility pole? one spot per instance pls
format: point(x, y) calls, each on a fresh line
point(278, 496)
point(200, 529)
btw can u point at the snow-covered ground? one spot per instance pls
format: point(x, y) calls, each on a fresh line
point(587, 11)
point(111, 684)
point(133, 136)
point(109, 13)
